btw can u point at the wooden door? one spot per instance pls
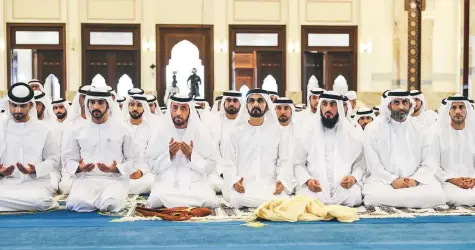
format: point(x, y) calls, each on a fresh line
point(50, 62)
point(200, 36)
point(270, 63)
point(339, 63)
point(313, 66)
point(125, 64)
point(245, 70)
point(97, 62)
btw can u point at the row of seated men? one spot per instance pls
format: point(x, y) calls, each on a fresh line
point(251, 149)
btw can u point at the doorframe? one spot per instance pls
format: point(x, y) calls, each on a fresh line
point(208, 58)
point(86, 28)
point(11, 44)
point(281, 47)
point(353, 47)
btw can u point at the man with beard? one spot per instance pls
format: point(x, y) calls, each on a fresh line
point(397, 154)
point(331, 172)
point(454, 148)
point(219, 126)
point(60, 109)
point(139, 119)
point(364, 116)
point(29, 154)
point(77, 113)
point(43, 108)
point(258, 165)
point(182, 155)
point(101, 155)
point(425, 118)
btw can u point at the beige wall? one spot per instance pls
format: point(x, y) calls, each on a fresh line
point(382, 23)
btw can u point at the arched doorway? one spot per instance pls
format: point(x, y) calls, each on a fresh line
point(180, 48)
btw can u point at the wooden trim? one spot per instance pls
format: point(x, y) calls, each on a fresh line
point(60, 27)
point(466, 46)
point(160, 72)
point(309, 29)
point(279, 29)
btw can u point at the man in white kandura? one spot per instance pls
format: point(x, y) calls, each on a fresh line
point(182, 155)
point(285, 111)
point(60, 111)
point(101, 155)
point(364, 116)
point(425, 118)
point(28, 155)
point(328, 161)
point(141, 124)
point(258, 167)
point(44, 108)
point(153, 105)
point(220, 126)
point(454, 150)
point(313, 98)
point(398, 157)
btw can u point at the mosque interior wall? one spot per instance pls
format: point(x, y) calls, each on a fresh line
point(382, 36)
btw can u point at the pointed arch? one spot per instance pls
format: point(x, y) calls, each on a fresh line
point(98, 81)
point(185, 49)
point(52, 87)
point(270, 84)
point(244, 89)
point(125, 83)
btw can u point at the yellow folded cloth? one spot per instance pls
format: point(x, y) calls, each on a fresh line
point(303, 208)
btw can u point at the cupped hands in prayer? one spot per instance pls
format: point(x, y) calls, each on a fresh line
point(85, 167)
point(175, 146)
point(347, 182)
point(108, 169)
point(6, 171)
point(26, 170)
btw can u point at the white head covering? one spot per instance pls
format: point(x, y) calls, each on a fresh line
point(445, 119)
point(21, 93)
point(61, 101)
point(227, 95)
point(217, 100)
point(273, 93)
point(75, 110)
point(416, 94)
point(153, 99)
point(36, 82)
point(349, 112)
point(48, 114)
point(363, 112)
point(147, 114)
point(340, 85)
point(102, 93)
point(312, 84)
point(120, 99)
point(199, 100)
point(283, 101)
point(351, 95)
point(134, 91)
point(391, 95)
point(269, 117)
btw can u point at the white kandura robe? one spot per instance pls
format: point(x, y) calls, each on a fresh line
point(99, 143)
point(141, 134)
point(454, 152)
point(29, 142)
point(220, 130)
point(260, 155)
point(67, 180)
point(425, 118)
point(400, 150)
point(338, 159)
point(180, 182)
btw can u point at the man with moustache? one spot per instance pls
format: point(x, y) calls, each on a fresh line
point(328, 162)
point(140, 121)
point(307, 114)
point(29, 154)
point(101, 155)
point(182, 155)
point(398, 157)
point(44, 109)
point(220, 127)
point(258, 167)
point(454, 148)
point(60, 110)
